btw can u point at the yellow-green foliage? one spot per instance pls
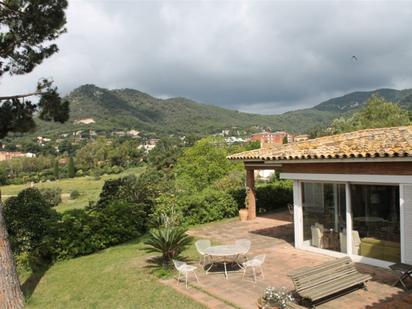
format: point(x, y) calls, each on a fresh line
point(203, 164)
point(378, 113)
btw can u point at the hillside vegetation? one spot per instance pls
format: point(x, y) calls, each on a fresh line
point(122, 109)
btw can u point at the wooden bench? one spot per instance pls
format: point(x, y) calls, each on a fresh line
point(315, 284)
point(293, 306)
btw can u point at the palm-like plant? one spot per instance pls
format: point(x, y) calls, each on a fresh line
point(170, 242)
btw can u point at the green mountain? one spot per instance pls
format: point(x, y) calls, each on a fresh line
point(352, 101)
point(122, 109)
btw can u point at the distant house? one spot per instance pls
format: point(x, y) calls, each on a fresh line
point(8, 155)
point(42, 140)
point(153, 141)
point(146, 147)
point(352, 192)
point(149, 145)
point(85, 121)
point(233, 140)
point(272, 137)
point(133, 133)
point(30, 155)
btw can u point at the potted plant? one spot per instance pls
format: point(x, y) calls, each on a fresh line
point(243, 212)
point(274, 298)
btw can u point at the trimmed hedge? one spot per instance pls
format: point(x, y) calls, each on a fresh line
point(269, 197)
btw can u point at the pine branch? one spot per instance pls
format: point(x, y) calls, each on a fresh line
point(8, 7)
point(20, 96)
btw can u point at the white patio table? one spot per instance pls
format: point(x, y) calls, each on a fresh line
point(225, 254)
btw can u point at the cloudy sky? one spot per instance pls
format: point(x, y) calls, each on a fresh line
point(254, 56)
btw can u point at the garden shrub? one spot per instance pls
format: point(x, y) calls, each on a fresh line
point(274, 195)
point(170, 242)
point(76, 231)
point(269, 196)
point(239, 195)
point(52, 195)
point(207, 206)
point(79, 173)
point(30, 221)
point(74, 194)
point(3, 177)
point(82, 232)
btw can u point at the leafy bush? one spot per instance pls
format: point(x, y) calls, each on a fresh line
point(203, 164)
point(274, 196)
point(143, 190)
point(239, 195)
point(52, 195)
point(82, 232)
point(74, 194)
point(97, 173)
point(207, 206)
point(30, 220)
point(3, 177)
point(79, 173)
point(170, 242)
point(269, 197)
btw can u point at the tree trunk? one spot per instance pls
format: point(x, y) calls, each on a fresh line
point(11, 296)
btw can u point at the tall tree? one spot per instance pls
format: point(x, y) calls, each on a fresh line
point(377, 113)
point(71, 170)
point(27, 29)
point(56, 169)
point(11, 295)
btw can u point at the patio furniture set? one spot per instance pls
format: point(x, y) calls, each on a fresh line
point(234, 254)
point(313, 285)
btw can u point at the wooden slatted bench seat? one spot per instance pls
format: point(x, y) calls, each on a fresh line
point(294, 306)
point(315, 284)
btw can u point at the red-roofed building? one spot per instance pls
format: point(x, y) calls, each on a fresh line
point(7, 155)
point(276, 138)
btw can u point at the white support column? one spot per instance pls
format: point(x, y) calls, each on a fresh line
point(335, 205)
point(402, 221)
point(297, 213)
point(348, 219)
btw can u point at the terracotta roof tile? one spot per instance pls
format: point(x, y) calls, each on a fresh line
point(370, 143)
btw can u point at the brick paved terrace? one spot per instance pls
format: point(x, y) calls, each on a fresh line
point(273, 236)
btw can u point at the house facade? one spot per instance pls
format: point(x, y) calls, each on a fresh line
point(352, 192)
point(272, 137)
point(8, 155)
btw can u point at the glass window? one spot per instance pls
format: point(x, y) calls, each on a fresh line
point(375, 213)
point(324, 215)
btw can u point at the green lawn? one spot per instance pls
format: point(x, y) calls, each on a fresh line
point(88, 187)
point(117, 277)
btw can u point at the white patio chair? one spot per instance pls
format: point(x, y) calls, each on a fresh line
point(254, 263)
point(317, 237)
point(355, 242)
point(245, 245)
point(184, 269)
point(201, 245)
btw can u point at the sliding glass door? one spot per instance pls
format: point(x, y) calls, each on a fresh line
point(376, 220)
point(324, 215)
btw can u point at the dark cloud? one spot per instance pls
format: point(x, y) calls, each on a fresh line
point(264, 57)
